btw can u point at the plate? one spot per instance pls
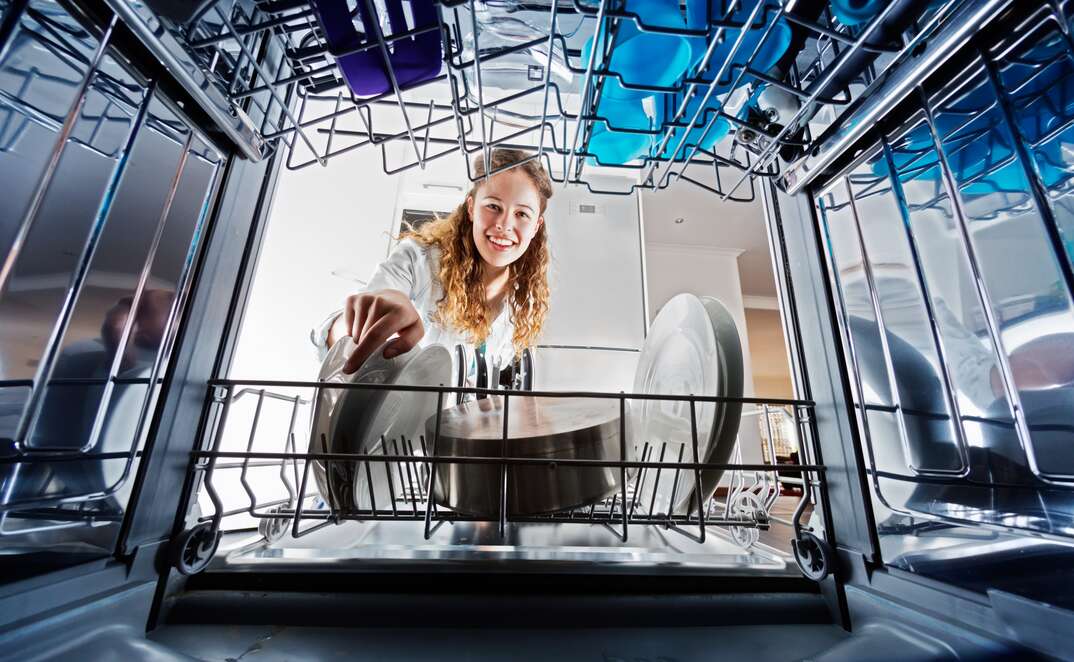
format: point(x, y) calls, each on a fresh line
point(383, 422)
point(537, 427)
point(324, 403)
point(692, 347)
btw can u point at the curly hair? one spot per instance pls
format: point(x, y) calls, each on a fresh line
point(463, 303)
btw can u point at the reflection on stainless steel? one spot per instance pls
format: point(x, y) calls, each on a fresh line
point(547, 428)
point(955, 293)
point(592, 548)
point(94, 275)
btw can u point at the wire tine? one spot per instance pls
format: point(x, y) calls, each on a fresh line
point(257, 67)
point(698, 488)
point(586, 84)
point(487, 153)
point(503, 469)
point(646, 452)
point(390, 70)
point(249, 447)
point(548, 76)
point(656, 481)
point(410, 475)
point(388, 473)
point(369, 485)
point(431, 490)
point(302, 490)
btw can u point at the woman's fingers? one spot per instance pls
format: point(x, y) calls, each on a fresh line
point(408, 338)
point(363, 304)
point(373, 317)
point(374, 337)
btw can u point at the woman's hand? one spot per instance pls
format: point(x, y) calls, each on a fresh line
point(370, 318)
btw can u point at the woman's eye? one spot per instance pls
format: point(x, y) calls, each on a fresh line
point(493, 207)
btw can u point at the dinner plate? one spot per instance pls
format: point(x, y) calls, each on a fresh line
point(692, 348)
point(383, 422)
point(324, 402)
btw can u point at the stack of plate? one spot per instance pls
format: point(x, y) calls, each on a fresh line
point(537, 427)
point(373, 422)
point(693, 348)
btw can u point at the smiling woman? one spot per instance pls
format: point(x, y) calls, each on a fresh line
point(477, 276)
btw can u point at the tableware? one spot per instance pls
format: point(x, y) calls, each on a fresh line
point(692, 348)
point(537, 427)
point(372, 421)
point(412, 60)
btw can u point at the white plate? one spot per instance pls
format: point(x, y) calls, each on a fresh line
point(353, 421)
point(692, 348)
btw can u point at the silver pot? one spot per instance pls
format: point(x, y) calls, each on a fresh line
point(551, 428)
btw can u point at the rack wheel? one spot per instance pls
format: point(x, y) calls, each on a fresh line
point(194, 548)
point(273, 528)
point(813, 555)
point(746, 505)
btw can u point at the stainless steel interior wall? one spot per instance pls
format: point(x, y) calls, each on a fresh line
point(950, 249)
point(106, 189)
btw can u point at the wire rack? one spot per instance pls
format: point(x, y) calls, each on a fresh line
point(272, 62)
point(252, 473)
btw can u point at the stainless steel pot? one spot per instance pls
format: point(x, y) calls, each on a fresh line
point(552, 428)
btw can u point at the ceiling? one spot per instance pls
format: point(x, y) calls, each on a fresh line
point(710, 222)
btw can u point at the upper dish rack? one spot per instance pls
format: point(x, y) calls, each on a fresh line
point(761, 82)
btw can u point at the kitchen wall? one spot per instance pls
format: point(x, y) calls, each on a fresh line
point(768, 350)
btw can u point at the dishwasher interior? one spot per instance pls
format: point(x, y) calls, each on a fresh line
point(194, 186)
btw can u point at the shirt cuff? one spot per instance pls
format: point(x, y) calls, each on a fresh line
point(319, 335)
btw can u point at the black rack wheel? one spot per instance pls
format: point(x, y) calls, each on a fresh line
point(194, 548)
point(813, 556)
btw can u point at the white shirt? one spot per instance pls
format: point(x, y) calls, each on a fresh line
point(412, 269)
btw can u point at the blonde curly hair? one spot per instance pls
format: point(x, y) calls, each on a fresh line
point(463, 304)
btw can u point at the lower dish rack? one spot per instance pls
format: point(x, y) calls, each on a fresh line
point(251, 479)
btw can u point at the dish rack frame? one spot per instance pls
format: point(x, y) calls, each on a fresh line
point(752, 489)
point(263, 69)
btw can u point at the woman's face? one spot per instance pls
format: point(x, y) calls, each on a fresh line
point(506, 211)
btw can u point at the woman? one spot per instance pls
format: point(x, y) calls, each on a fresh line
point(478, 276)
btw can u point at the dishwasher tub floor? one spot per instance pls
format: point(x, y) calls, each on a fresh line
point(524, 545)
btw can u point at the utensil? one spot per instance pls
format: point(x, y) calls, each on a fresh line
point(692, 348)
point(548, 428)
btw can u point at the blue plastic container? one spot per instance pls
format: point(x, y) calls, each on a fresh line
point(646, 58)
point(775, 45)
point(695, 136)
point(615, 147)
point(856, 12)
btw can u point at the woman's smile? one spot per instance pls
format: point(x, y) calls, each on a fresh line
point(501, 244)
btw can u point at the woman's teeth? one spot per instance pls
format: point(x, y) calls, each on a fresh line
point(500, 242)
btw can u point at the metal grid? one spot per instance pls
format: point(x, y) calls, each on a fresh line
point(743, 507)
point(1012, 97)
point(271, 60)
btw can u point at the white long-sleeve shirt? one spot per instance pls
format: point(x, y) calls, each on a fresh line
point(412, 269)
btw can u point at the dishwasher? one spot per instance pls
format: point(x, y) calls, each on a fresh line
point(173, 171)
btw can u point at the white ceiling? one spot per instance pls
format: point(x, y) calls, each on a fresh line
point(713, 223)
